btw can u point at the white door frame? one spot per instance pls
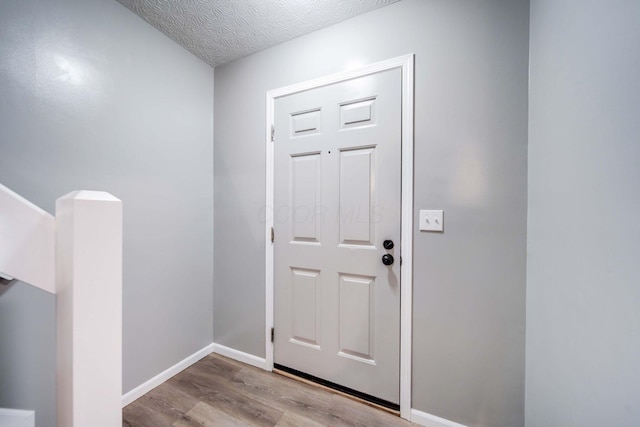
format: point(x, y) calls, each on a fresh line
point(405, 64)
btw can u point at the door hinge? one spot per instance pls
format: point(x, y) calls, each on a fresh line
point(273, 132)
point(273, 235)
point(273, 334)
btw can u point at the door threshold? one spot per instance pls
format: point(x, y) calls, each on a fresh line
point(367, 399)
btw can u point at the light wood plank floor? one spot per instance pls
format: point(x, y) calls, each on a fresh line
point(218, 391)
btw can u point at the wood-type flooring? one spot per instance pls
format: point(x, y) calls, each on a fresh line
point(218, 391)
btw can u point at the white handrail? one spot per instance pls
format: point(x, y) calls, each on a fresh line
point(17, 418)
point(27, 241)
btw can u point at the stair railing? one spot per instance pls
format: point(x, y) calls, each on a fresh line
point(78, 256)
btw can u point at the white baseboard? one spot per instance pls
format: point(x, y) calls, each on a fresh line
point(154, 382)
point(17, 418)
point(240, 356)
point(428, 420)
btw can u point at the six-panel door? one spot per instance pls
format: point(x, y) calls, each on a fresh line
point(337, 198)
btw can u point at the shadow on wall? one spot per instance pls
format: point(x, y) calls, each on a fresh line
point(5, 284)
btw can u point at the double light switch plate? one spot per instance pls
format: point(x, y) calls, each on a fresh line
point(431, 220)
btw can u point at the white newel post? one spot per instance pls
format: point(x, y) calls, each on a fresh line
point(89, 309)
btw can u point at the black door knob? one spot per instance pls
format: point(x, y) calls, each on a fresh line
point(387, 259)
point(388, 244)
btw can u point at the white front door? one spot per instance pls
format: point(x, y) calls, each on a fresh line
point(337, 199)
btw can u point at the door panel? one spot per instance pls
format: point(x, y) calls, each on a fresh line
point(306, 123)
point(356, 188)
point(305, 193)
point(357, 316)
point(305, 306)
point(337, 198)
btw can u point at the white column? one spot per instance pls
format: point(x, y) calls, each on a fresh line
point(89, 309)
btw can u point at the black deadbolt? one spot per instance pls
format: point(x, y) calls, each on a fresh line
point(388, 244)
point(387, 259)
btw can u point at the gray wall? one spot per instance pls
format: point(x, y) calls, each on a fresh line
point(27, 351)
point(91, 97)
point(583, 281)
point(470, 160)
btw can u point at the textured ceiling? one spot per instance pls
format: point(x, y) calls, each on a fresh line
point(220, 31)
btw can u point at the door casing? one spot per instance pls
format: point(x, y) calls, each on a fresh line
point(406, 64)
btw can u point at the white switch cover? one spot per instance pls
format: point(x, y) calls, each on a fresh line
point(431, 220)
